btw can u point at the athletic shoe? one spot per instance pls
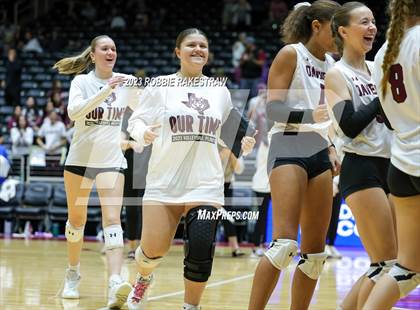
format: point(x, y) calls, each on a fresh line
point(131, 255)
point(138, 296)
point(237, 253)
point(190, 307)
point(71, 284)
point(117, 294)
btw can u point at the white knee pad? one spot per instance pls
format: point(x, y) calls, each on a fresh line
point(113, 235)
point(146, 262)
point(74, 234)
point(376, 270)
point(281, 252)
point(407, 280)
point(312, 264)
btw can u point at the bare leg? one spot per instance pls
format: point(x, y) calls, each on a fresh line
point(110, 186)
point(374, 219)
point(386, 292)
point(288, 184)
point(78, 190)
point(315, 219)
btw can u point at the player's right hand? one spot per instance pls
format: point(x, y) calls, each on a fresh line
point(116, 80)
point(320, 114)
point(150, 135)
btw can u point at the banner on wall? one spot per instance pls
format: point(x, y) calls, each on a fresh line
point(347, 234)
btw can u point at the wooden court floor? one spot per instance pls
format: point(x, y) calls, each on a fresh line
point(32, 271)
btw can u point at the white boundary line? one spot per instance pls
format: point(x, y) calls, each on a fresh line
point(217, 283)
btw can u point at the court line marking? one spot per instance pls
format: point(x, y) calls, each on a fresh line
point(217, 283)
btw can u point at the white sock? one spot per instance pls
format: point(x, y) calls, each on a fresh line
point(74, 268)
point(190, 307)
point(115, 278)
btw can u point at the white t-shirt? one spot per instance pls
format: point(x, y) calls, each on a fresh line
point(402, 101)
point(184, 165)
point(98, 111)
point(22, 140)
point(306, 90)
point(375, 139)
point(53, 134)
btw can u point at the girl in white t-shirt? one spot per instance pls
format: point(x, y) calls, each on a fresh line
point(97, 102)
point(183, 116)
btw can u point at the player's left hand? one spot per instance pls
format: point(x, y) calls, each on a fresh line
point(335, 161)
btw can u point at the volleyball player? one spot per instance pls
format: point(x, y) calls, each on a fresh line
point(185, 177)
point(397, 76)
point(96, 105)
point(300, 158)
point(352, 95)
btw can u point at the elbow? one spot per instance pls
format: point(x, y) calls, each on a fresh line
point(269, 110)
point(349, 131)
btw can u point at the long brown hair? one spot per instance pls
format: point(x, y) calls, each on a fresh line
point(79, 63)
point(400, 10)
point(298, 25)
point(342, 18)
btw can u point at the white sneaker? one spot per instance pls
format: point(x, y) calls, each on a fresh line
point(117, 294)
point(190, 307)
point(71, 285)
point(138, 296)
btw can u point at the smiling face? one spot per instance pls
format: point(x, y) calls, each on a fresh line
point(361, 31)
point(104, 54)
point(193, 52)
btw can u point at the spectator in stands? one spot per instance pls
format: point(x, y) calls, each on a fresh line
point(241, 14)
point(14, 118)
point(60, 106)
point(251, 65)
point(13, 78)
point(231, 165)
point(117, 21)
point(238, 49)
point(227, 13)
point(22, 137)
point(32, 113)
point(278, 12)
point(32, 44)
point(4, 160)
point(51, 135)
point(88, 12)
point(47, 110)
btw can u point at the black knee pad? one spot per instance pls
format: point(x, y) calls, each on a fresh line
point(199, 244)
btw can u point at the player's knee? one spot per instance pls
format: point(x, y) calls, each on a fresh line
point(74, 233)
point(312, 264)
point(145, 261)
point(113, 235)
point(199, 244)
point(281, 252)
point(376, 270)
point(407, 280)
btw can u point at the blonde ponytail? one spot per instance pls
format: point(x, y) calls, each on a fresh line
point(78, 64)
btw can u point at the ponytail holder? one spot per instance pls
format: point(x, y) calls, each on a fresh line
point(298, 5)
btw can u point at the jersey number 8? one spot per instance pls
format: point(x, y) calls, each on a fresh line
point(396, 79)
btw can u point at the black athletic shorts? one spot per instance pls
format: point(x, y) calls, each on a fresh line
point(361, 172)
point(402, 184)
point(306, 149)
point(91, 173)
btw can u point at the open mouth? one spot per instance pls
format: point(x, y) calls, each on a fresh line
point(368, 40)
